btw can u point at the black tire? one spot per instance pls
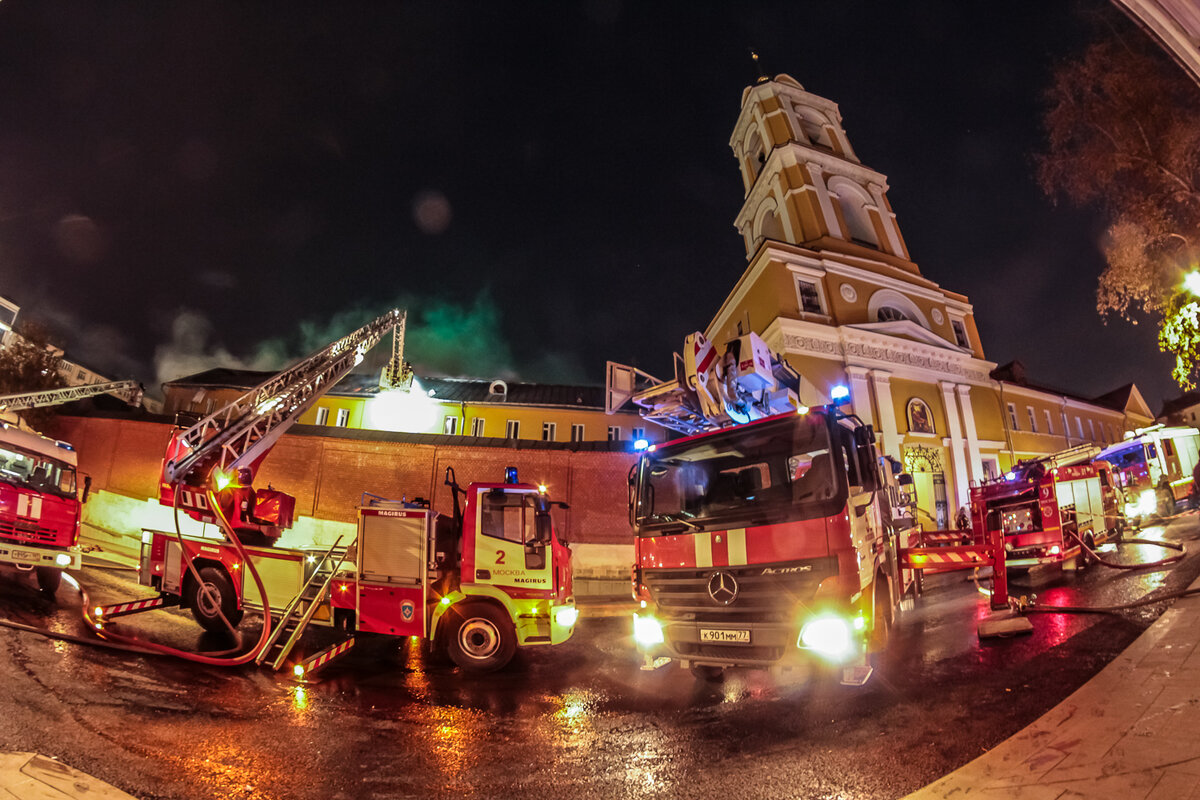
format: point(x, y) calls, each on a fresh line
point(881, 633)
point(482, 638)
point(708, 673)
point(48, 579)
point(219, 595)
point(1166, 502)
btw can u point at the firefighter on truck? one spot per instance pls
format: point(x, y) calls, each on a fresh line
point(764, 537)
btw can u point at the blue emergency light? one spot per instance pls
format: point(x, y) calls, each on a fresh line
point(640, 444)
point(839, 393)
point(510, 475)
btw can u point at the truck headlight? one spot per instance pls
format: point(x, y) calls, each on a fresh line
point(647, 631)
point(829, 636)
point(565, 617)
point(63, 560)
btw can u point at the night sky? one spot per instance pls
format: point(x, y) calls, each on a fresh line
point(544, 186)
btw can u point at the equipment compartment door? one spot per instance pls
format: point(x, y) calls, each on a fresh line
point(390, 609)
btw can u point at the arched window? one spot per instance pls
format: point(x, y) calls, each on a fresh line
point(814, 126)
point(755, 154)
point(890, 314)
point(853, 200)
point(888, 305)
point(768, 225)
point(920, 420)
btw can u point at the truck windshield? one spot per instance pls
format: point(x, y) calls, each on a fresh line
point(36, 472)
point(1123, 459)
point(772, 472)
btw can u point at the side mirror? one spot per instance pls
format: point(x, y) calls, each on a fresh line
point(543, 530)
point(87, 488)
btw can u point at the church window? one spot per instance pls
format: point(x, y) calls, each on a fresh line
point(810, 296)
point(853, 201)
point(1032, 419)
point(890, 314)
point(813, 126)
point(960, 333)
point(920, 420)
point(1049, 424)
point(1012, 417)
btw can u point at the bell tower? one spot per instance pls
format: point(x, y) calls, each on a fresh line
point(803, 183)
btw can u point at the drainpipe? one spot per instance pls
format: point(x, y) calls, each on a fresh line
point(1004, 418)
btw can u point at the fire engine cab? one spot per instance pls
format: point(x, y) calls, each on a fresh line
point(766, 536)
point(489, 578)
point(1153, 468)
point(1046, 507)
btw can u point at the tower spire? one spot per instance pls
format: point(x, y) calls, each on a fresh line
point(762, 76)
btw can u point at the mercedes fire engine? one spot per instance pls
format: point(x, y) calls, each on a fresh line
point(765, 537)
point(1153, 468)
point(1046, 507)
point(41, 499)
point(493, 576)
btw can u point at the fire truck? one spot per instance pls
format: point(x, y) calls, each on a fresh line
point(1045, 507)
point(766, 536)
point(489, 578)
point(41, 499)
point(1153, 468)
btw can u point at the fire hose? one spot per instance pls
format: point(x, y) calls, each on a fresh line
point(111, 640)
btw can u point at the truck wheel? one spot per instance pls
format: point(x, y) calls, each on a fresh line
point(882, 631)
point(482, 638)
point(1166, 502)
point(48, 579)
point(216, 596)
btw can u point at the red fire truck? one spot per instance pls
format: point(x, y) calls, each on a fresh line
point(764, 537)
point(1153, 469)
point(1045, 507)
point(41, 501)
point(480, 583)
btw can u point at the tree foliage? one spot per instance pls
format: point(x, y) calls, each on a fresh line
point(28, 363)
point(1123, 133)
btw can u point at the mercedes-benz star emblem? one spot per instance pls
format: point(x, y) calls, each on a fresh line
point(722, 588)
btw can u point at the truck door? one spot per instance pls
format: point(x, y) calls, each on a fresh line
point(508, 551)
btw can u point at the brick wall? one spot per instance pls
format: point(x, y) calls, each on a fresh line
point(328, 474)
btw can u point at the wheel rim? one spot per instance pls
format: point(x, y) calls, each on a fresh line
point(208, 600)
point(478, 638)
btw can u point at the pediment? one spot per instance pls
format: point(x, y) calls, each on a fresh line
point(907, 329)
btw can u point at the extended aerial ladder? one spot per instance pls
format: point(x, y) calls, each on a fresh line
point(129, 391)
point(242, 432)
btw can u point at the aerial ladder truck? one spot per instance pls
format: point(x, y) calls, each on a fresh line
point(772, 534)
point(480, 582)
point(41, 499)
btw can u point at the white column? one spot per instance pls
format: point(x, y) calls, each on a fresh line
point(973, 457)
point(887, 413)
point(950, 402)
point(860, 394)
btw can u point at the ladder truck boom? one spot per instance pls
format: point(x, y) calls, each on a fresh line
point(243, 431)
point(129, 391)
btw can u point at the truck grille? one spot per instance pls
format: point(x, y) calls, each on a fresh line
point(682, 594)
point(737, 653)
point(25, 531)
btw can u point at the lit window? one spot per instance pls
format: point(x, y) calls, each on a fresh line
point(450, 426)
point(960, 334)
point(343, 417)
point(512, 429)
point(477, 426)
point(322, 416)
point(1012, 417)
point(549, 430)
point(810, 297)
point(614, 433)
point(1032, 419)
point(576, 433)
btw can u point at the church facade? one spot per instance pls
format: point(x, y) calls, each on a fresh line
point(830, 285)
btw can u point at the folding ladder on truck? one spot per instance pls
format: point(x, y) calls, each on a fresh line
point(299, 612)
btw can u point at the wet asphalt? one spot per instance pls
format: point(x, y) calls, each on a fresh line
point(577, 721)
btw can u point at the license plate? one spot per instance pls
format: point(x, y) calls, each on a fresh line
point(24, 555)
point(724, 636)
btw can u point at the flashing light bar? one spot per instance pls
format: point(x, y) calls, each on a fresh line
point(640, 445)
point(839, 393)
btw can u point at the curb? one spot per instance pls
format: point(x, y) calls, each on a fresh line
point(30, 776)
